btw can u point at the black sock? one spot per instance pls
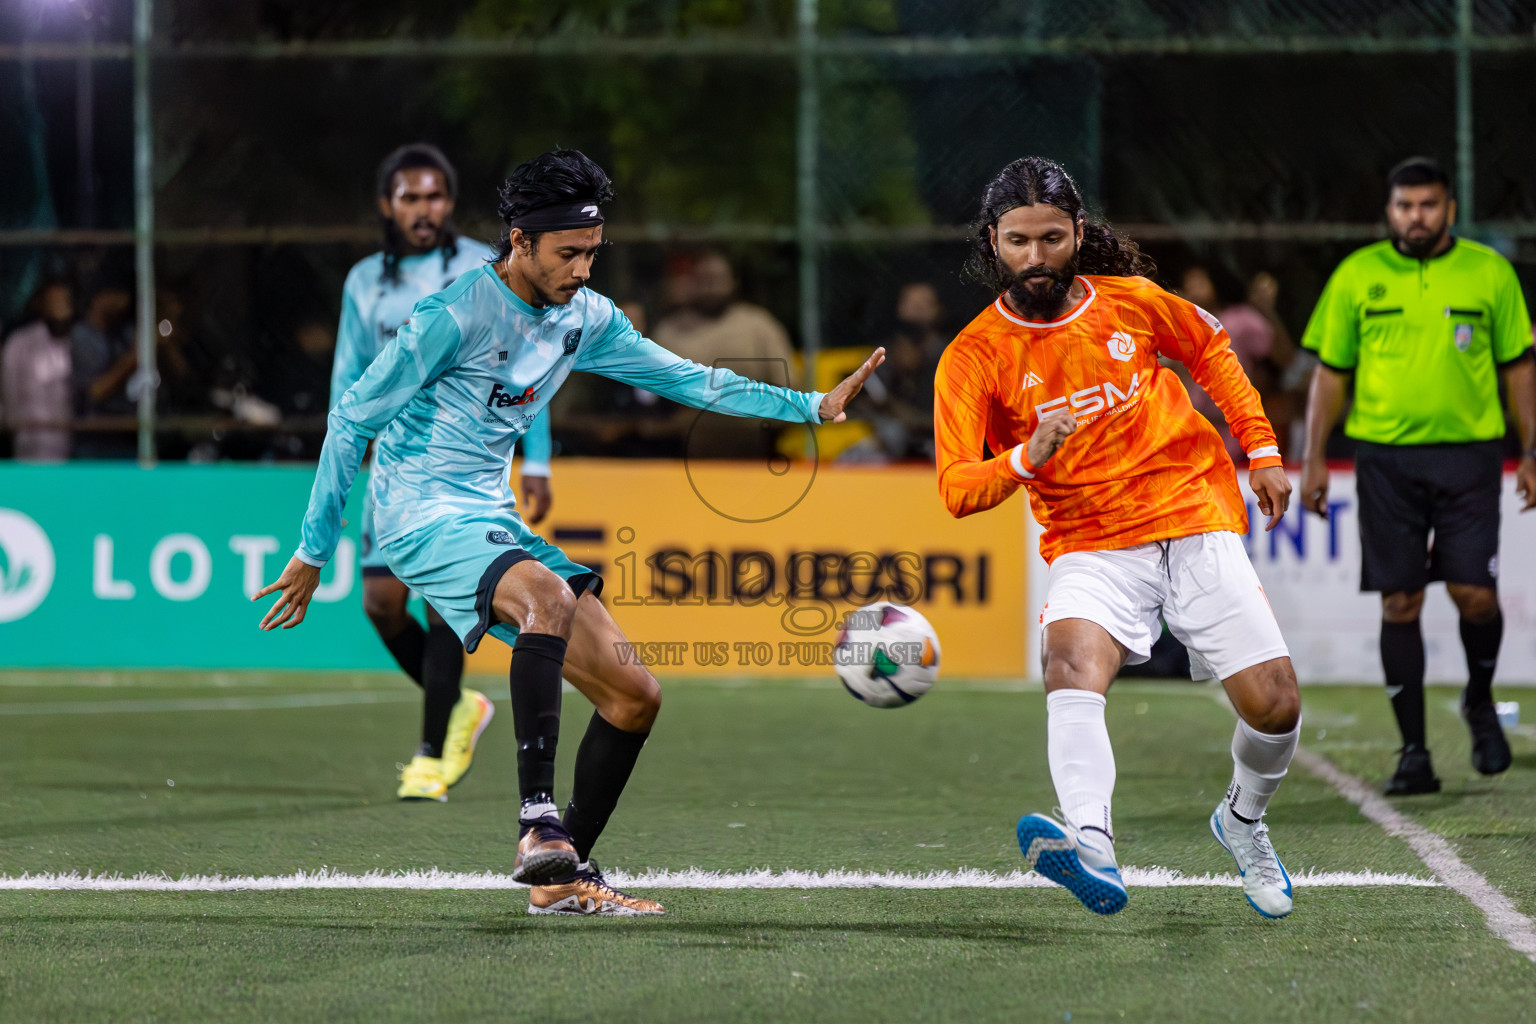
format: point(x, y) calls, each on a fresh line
point(408, 646)
point(1402, 657)
point(603, 762)
point(442, 668)
point(537, 659)
point(1481, 641)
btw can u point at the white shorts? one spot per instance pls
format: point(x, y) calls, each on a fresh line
point(1203, 586)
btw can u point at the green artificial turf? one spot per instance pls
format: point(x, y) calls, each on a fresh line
point(770, 775)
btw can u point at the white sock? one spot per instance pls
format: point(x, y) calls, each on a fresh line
point(1082, 761)
point(1259, 762)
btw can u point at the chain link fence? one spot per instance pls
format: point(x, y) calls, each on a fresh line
point(832, 150)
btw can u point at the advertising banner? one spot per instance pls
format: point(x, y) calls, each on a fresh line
point(720, 568)
point(105, 565)
point(733, 569)
point(1311, 573)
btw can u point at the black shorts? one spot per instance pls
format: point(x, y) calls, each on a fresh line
point(1409, 492)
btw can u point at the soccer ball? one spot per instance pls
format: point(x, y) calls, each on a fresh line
point(887, 654)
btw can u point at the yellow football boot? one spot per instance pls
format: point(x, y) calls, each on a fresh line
point(422, 779)
point(588, 895)
point(471, 715)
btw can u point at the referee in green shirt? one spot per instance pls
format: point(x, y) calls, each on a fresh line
point(1426, 322)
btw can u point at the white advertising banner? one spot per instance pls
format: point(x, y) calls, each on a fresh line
point(1311, 573)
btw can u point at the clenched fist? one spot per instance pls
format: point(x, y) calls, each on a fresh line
point(1050, 435)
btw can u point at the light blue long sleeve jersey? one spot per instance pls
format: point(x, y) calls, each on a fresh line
point(466, 376)
point(373, 309)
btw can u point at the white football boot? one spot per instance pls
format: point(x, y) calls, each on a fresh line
point(1265, 881)
point(1082, 860)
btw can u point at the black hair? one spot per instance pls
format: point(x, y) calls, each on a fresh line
point(1228, 286)
point(1034, 179)
point(559, 176)
point(409, 157)
point(1420, 170)
point(45, 284)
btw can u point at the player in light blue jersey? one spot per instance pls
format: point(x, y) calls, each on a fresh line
point(446, 400)
point(422, 254)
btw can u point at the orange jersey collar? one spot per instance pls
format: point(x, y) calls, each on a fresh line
point(1076, 312)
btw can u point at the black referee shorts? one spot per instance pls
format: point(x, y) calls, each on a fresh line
point(1410, 492)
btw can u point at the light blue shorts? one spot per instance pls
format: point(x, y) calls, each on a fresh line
point(455, 563)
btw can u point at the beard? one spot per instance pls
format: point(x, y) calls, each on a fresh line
point(1034, 301)
point(1420, 248)
point(713, 306)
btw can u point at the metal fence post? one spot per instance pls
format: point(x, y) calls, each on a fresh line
point(807, 226)
point(1465, 167)
point(144, 228)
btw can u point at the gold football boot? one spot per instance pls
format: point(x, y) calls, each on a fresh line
point(589, 895)
point(545, 855)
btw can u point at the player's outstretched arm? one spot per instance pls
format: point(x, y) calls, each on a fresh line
point(623, 354)
point(835, 401)
point(297, 584)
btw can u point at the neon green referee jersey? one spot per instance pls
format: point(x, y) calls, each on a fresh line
point(1424, 339)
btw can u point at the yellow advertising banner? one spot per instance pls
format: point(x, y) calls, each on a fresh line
point(747, 569)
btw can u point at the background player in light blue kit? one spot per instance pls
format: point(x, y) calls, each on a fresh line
point(447, 399)
point(422, 254)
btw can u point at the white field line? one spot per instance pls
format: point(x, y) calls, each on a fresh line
point(253, 703)
point(692, 878)
point(1517, 930)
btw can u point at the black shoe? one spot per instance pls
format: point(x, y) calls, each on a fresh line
point(1414, 773)
point(1490, 750)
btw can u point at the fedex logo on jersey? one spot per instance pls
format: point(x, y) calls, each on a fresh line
point(1103, 397)
point(502, 399)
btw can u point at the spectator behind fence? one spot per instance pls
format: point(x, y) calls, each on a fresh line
point(716, 328)
point(898, 398)
point(1253, 342)
point(1293, 368)
point(101, 346)
point(35, 377)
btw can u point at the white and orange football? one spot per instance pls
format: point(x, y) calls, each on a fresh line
point(887, 654)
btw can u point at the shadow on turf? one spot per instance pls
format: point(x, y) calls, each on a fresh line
point(1073, 923)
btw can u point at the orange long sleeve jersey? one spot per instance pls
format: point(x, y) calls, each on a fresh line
point(1143, 464)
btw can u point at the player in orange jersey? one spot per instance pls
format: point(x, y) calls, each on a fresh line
point(1140, 505)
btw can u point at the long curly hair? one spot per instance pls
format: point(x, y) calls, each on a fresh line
point(1034, 179)
point(409, 157)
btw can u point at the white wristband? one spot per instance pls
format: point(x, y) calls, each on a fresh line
point(1016, 460)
